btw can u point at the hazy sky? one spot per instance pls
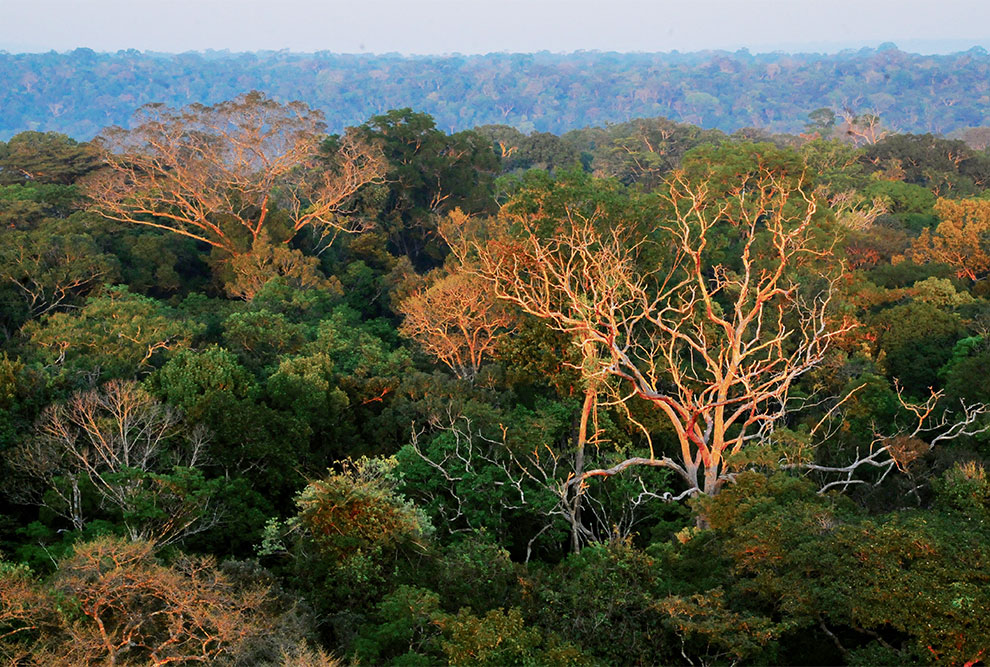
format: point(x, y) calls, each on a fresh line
point(482, 26)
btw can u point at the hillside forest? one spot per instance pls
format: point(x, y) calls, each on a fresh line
point(641, 393)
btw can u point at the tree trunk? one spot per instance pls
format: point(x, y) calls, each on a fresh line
point(76, 509)
point(590, 395)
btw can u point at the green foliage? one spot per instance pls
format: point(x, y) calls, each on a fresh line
point(474, 573)
point(45, 157)
point(259, 337)
point(485, 487)
point(28, 200)
point(836, 163)
point(22, 395)
point(501, 638)
point(452, 545)
point(707, 628)
point(965, 372)
point(965, 488)
point(307, 387)
point(248, 272)
point(350, 531)
point(904, 274)
point(298, 305)
point(537, 355)
point(116, 334)
point(938, 164)
point(644, 151)
point(213, 389)
point(605, 600)
point(156, 264)
point(191, 379)
point(358, 510)
point(916, 579)
point(903, 198)
point(42, 546)
point(429, 172)
point(940, 292)
point(916, 340)
point(404, 629)
point(161, 499)
point(52, 268)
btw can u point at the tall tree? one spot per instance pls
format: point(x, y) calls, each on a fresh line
point(429, 174)
point(710, 315)
point(226, 173)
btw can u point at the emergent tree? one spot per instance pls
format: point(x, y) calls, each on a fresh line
point(226, 173)
point(709, 315)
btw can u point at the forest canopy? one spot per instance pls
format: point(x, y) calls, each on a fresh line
point(644, 393)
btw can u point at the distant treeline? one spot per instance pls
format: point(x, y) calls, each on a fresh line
point(80, 92)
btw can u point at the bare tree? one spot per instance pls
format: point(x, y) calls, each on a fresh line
point(713, 346)
point(866, 128)
point(458, 320)
point(927, 424)
point(216, 173)
point(123, 442)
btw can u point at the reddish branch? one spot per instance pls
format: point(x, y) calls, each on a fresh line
point(714, 348)
point(216, 173)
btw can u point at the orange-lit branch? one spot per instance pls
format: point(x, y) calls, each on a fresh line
point(715, 346)
point(215, 173)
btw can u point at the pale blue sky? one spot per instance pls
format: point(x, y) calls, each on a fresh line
point(482, 26)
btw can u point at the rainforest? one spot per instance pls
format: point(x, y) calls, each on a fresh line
point(279, 387)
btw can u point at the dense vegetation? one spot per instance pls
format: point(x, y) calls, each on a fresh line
point(80, 92)
point(645, 394)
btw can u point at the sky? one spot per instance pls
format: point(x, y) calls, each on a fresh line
point(484, 26)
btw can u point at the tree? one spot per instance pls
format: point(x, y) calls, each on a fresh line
point(821, 121)
point(961, 240)
point(130, 449)
point(351, 529)
point(644, 151)
point(50, 269)
point(709, 316)
point(25, 613)
point(267, 261)
point(864, 128)
point(939, 164)
point(506, 141)
point(457, 320)
point(902, 588)
point(45, 157)
point(916, 340)
point(358, 511)
point(225, 173)
point(116, 333)
point(130, 609)
point(429, 173)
